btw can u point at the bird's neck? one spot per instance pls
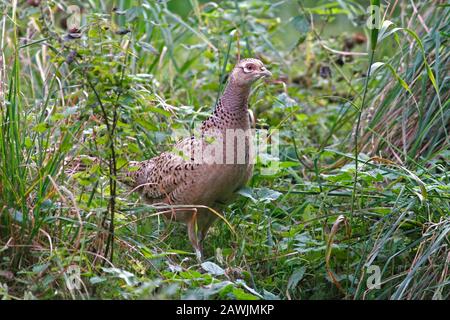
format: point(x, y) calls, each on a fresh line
point(232, 107)
point(231, 110)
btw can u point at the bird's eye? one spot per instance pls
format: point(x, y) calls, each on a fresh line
point(249, 68)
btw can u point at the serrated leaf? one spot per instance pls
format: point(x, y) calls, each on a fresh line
point(264, 195)
point(212, 268)
point(40, 267)
point(41, 127)
point(95, 280)
point(240, 294)
point(129, 278)
point(296, 277)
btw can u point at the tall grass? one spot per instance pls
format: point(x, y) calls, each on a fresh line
point(408, 123)
point(30, 155)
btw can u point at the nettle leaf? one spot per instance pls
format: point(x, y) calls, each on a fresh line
point(307, 212)
point(301, 25)
point(240, 294)
point(28, 142)
point(95, 280)
point(40, 267)
point(270, 296)
point(267, 195)
point(121, 162)
point(16, 215)
point(191, 274)
point(212, 268)
point(47, 280)
point(343, 177)
point(371, 176)
point(174, 267)
point(247, 192)
point(263, 195)
point(251, 290)
point(68, 111)
point(289, 164)
point(223, 288)
point(129, 278)
point(41, 127)
point(296, 277)
point(147, 125)
point(283, 101)
point(57, 117)
point(159, 110)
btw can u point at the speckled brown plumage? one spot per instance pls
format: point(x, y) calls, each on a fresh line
point(177, 177)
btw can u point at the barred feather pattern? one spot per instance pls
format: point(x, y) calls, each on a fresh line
point(175, 178)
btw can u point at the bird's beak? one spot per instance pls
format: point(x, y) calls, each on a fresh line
point(265, 73)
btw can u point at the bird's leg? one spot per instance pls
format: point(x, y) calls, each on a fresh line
point(203, 231)
point(206, 222)
point(193, 236)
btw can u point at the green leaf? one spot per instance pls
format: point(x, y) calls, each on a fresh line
point(374, 67)
point(95, 280)
point(240, 294)
point(296, 277)
point(40, 267)
point(129, 278)
point(302, 26)
point(28, 142)
point(212, 268)
point(148, 47)
point(385, 34)
point(41, 127)
point(264, 195)
point(160, 111)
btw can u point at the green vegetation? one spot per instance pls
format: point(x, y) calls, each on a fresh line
point(115, 88)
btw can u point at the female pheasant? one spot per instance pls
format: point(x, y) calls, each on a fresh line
point(203, 172)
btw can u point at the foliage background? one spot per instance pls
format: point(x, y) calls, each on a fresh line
point(136, 70)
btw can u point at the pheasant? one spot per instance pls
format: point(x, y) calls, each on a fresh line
point(200, 174)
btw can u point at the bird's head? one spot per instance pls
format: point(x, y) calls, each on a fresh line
point(247, 71)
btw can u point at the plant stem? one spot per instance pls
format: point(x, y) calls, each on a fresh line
point(358, 125)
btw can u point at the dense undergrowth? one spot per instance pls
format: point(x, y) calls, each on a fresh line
point(117, 87)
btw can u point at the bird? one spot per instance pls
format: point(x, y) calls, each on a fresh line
point(194, 179)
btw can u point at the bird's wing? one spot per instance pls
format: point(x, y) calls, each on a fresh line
point(158, 177)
